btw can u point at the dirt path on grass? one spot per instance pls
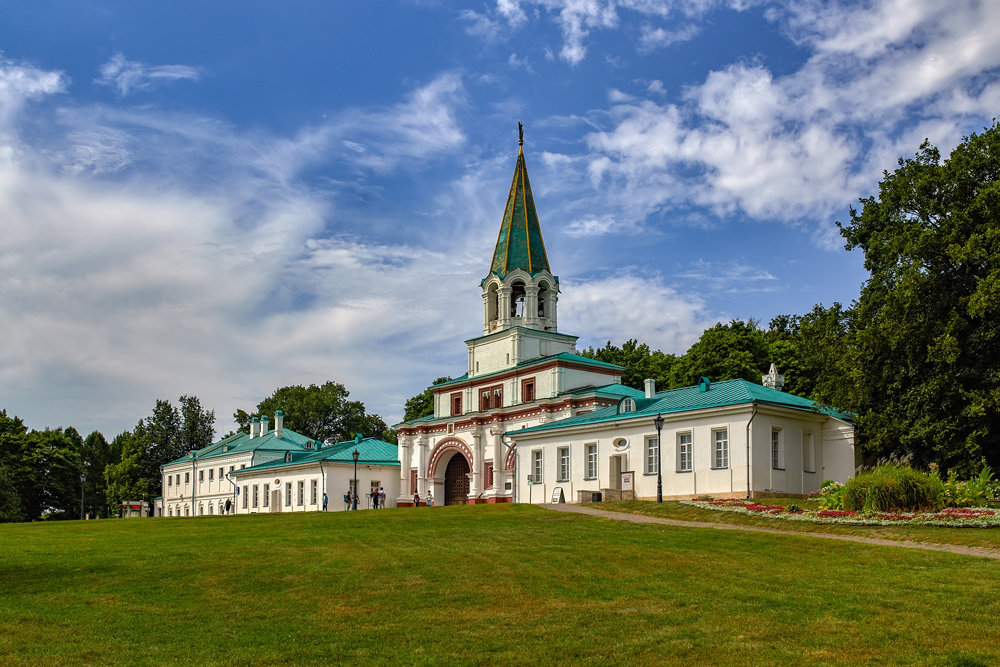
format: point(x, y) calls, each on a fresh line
point(879, 541)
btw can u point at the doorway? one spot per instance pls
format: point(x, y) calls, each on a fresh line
point(456, 481)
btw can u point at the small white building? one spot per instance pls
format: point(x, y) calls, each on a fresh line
point(531, 420)
point(244, 470)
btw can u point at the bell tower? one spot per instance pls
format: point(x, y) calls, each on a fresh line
point(519, 290)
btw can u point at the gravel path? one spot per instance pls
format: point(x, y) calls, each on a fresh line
point(639, 518)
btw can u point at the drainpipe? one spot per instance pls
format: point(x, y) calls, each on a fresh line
point(194, 482)
point(754, 414)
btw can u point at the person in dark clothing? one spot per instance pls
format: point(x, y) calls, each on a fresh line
point(229, 505)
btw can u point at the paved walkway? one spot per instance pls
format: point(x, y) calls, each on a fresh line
point(640, 518)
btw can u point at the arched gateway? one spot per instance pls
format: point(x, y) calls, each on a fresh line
point(456, 481)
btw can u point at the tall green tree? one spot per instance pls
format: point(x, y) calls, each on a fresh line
point(422, 404)
point(809, 350)
point(924, 372)
point(724, 352)
point(320, 411)
point(96, 457)
point(125, 479)
point(639, 362)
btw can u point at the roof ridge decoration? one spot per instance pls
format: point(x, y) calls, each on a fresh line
point(519, 243)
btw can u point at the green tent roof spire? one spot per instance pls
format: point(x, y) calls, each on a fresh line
point(519, 244)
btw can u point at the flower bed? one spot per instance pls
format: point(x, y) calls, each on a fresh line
point(964, 517)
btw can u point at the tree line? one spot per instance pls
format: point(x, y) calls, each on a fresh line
point(42, 473)
point(916, 357)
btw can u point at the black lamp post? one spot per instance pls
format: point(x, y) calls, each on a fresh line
point(355, 499)
point(658, 423)
point(83, 482)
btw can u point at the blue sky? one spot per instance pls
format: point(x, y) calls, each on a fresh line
point(223, 198)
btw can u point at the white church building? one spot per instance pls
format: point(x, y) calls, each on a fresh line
point(531, 420)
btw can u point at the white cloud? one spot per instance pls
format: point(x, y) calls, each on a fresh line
point(729, 277)
point(651, 39)
point(615, 308)
point(149, 255)
point(128, 76)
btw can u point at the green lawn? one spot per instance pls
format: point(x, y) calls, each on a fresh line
point(968, 537)
point(484, 584)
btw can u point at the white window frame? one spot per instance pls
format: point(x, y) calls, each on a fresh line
point(302, 493)
point(313, 488)
point(685, 452)
point(537, 466)
point(590, 451)
point(652, 455)
point(720, 449)
point(211, 474)
point(777, 449)
point(267, 496)
point(288, 494)
point(562, 455)
point(170, 480)
point(256, 495)
point(246, 493)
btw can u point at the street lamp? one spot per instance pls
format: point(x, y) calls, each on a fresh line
point(355, 499)
point(83, 481)
point(658, 423)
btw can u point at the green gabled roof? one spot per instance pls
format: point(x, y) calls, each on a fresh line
point(616, 389)
point(241, 442)
point(371, 451)
point(519, 244)
point(562, 356)
point(719, 394)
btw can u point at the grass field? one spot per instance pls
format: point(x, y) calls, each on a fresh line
point(484, 584)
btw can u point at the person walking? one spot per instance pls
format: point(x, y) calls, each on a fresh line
point(374, 496)
point(347, 500)
point(325, 501)
point(229, 505)
point(416, 499)
point(430, 499)
point(381, 497)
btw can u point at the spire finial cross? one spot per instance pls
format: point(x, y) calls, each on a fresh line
point(520, 134)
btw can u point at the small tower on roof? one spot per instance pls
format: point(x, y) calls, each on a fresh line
point(520, 290)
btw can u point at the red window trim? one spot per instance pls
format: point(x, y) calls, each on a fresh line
point(456, 404)
point(524, 393)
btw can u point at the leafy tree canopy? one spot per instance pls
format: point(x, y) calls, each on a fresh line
point(422, 404)
point(320, 411)
point(923, 372)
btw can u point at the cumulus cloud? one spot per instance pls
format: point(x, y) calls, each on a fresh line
point(149, 255)
point(128, 76)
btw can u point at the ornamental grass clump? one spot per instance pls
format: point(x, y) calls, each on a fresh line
point(892, 487)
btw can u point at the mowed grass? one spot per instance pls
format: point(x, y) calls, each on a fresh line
point(964, 537)
point(477, 585)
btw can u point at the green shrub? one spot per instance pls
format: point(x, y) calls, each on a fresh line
point(891, 487)
point(971, 492)
point(830, 495)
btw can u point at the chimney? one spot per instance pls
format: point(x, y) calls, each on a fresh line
point(254, 425)
point(279, 424)
point(650, 388)
point(263, 425)
point(705, 384)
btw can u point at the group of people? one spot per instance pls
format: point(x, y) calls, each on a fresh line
point(351, 499)
point(416, 499)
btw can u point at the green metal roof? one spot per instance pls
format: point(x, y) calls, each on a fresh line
point(519, 244)
point(371, 451)
point(241, 442)
point(562, 356)
point(718, 394)
point(615, 389)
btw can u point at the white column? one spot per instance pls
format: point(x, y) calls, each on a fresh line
point(499, 456)
point(531, 304)
point(422, 466)
point(405, 462)
point(477, 463)
point(504, 306)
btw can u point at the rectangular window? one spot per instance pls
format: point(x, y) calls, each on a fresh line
point(488, 476)
point(170, 480)
point(497, 400)
point(245, 497)
point(313, 486)
point(302, 493)
point(242, 466)
point(211, 474)
point(808, 453)
point(187, 478)
point(267, 494)
point(777, 451)
point(201, 475)
point(563, 454)
point(592, 461)
point(413, 480)
point(528, 390)
point(536, 466)
point(231, 468)
point(685, 453)
point(288, 494)
point(652, 456)
point(178, 480)
point(484, 399)
point(256, 495)
point(456, 404)
point(221, 474)
point(720, 450)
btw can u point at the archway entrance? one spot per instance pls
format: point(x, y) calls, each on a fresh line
point(456, 481)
